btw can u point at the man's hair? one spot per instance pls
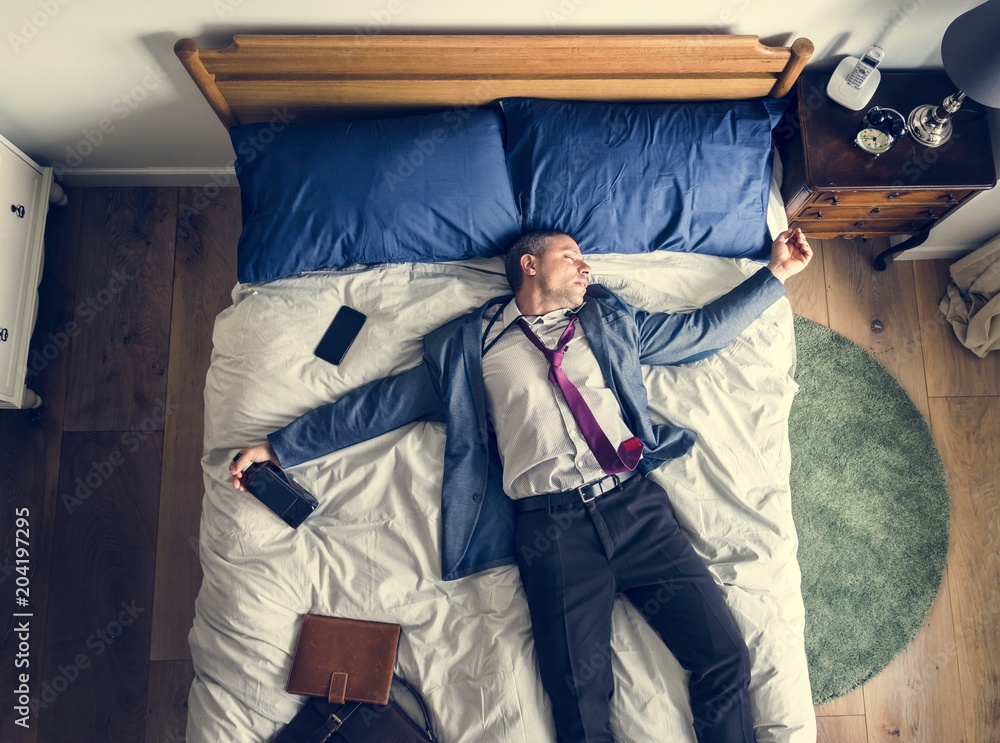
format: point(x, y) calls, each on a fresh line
point(533, 243)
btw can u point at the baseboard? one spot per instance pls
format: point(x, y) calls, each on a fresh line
point(221, 176)
point(931, 252)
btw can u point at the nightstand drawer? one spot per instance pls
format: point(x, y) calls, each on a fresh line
point(890, 197)
point(831, 227)
point(854, 213)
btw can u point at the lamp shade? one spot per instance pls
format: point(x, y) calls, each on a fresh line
point(970, 52)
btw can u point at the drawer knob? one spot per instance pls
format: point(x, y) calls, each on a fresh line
point(876, 210)
point(818, 215)
point(911, 225)
point(893, 195)
point(18, 210)
point(949, 198)
point(859, 224)
point(928, 212)
point(834, 201)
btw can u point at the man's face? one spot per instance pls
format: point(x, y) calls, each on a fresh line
point(561, 272)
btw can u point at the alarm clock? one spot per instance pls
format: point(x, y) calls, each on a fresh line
point(879, 130)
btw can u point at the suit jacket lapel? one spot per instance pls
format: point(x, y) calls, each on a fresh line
point(594, 325)
point(472, 352)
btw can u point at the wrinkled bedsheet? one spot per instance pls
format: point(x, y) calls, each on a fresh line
point(371, 548)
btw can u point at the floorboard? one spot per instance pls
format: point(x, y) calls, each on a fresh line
point(952, 369)
point(204, 275)
point(845, 729)
point(96, 663)
point(118, 357)
point(852, 703)
point(968, 434)
point(169, 682)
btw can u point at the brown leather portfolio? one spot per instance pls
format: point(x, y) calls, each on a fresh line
point(344, 660)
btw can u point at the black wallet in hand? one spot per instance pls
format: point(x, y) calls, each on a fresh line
point(268, 483)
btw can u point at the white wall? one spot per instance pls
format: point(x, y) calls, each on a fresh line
point(67, 66)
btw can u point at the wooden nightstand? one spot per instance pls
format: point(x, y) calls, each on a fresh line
point(832, 188)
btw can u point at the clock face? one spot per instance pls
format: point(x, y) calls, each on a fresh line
point(874, 141)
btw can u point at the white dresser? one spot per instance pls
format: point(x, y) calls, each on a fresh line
point(25, 189)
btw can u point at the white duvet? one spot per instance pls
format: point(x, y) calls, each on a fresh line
point(371, 548)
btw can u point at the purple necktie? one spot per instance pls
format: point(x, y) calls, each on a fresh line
point(612, 460)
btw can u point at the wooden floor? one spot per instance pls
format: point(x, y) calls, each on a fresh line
point(110, 472)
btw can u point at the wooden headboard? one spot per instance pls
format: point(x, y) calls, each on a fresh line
point(318, 77)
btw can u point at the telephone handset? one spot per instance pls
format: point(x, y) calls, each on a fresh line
point(854, 81)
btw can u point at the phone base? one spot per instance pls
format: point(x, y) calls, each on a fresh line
point(855, 100)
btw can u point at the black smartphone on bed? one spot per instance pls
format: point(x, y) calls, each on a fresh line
point(269, 484)
point(340, 335)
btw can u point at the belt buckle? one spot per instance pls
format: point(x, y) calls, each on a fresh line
point(600, 483)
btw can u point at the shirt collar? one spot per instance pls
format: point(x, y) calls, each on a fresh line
point(511, 313)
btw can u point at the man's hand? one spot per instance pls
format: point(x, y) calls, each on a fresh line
point(250, 455)
point(790, 253)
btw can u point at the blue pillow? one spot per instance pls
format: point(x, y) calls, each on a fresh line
point(632, 178)
point(416, 188)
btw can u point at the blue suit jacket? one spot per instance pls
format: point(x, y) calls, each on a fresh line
point(447, 387)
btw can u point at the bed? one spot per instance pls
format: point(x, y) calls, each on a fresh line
point(373, 548)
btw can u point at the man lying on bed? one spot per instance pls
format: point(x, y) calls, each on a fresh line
point(548, 433)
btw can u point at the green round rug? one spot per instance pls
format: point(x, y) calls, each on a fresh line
point(871, 508)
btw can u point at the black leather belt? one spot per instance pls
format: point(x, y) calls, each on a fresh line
point(577, 496)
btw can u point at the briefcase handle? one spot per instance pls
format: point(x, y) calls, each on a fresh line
point(423, 707)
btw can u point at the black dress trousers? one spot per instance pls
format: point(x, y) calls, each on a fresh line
point(575, 559)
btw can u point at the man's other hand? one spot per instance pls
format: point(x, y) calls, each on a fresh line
point(790, 253)
point(246, 457)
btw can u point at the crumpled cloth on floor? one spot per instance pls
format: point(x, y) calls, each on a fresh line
point(972, 302)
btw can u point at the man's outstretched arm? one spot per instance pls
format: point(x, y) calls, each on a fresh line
point(678, 338)
point(359, 415)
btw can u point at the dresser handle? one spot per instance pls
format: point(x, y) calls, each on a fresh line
point(876, 210)
point(833, 201)
point(949, 198)
point(859, 224)
point(893, 195)
point(18, 210)
point(928, 212)
point(818, 215)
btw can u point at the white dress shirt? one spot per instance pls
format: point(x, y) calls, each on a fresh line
point(541, 445)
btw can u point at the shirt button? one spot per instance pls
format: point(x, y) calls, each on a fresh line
point(580, 464)
point(475, 497)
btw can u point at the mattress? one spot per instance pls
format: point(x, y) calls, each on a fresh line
point(371, 549)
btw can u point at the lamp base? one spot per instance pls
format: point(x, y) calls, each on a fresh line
point(930, 125)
